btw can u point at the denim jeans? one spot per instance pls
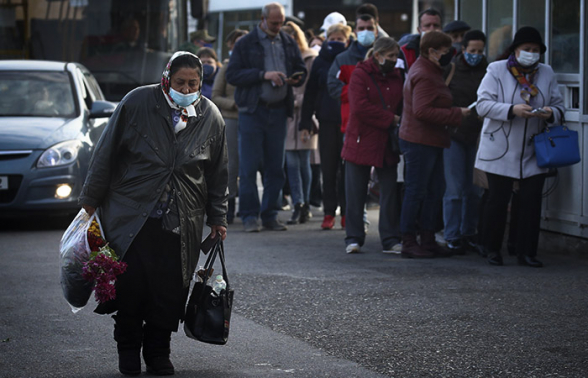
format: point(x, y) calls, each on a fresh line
point(424, 185)
point(262, 139)
point(356, 183)
point(462, 198)
point(299, 175)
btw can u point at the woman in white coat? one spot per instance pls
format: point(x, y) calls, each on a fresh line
point(518, 97)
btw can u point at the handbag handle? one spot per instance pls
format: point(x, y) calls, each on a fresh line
point(217, 249)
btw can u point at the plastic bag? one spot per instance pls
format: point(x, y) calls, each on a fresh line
point(74, 251)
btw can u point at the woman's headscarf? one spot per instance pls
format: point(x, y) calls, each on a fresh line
point(185, 112)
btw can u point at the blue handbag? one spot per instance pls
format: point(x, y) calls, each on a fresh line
point(557, 146)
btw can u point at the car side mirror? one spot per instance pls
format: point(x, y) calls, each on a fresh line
point(102, 109)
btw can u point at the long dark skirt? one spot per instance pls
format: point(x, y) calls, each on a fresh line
point(151, 288)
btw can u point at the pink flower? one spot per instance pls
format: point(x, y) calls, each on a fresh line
point(102, 269)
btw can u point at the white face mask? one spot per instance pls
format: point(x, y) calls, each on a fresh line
point(527, 59)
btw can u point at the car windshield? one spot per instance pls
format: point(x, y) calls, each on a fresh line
point(39, 94)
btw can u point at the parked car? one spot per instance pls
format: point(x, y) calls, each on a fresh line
point(51, 117)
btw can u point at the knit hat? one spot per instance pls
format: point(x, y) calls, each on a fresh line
point(456, 25)
point(527, 34)
point(333, 18)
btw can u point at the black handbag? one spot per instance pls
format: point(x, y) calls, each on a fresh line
point(393, 130)
point(208, 317)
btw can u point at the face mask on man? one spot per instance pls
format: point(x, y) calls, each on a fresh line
point(366, 37)
point(387, 65)
point(527, 59)
point(472, 59)
point(182, 99)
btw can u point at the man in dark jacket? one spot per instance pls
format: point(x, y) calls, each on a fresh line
point(263, 67)
point(429, 19)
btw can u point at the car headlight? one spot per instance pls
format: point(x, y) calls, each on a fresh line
point(60, 154)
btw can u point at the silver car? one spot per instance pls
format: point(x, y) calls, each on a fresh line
point(51, 116)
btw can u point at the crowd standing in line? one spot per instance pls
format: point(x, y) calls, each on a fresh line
point(440, 116)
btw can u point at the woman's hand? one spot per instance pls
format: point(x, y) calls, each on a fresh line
point(220, 230)
point(396, 120)
point(89, 209)
point(523, 111)
point(304, 136)
point(465, 112)
point(547, 115)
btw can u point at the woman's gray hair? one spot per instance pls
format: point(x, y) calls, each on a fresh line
point(267, 8)
point(382, 46)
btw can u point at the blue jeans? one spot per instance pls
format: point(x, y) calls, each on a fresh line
point(424, 185)
point(462, 198)
point(262, 139)
point(299, 175)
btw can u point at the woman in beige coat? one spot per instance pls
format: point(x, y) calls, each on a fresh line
point(298, 144)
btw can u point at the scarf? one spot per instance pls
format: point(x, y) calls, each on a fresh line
point(529, 90)
point(185, 112)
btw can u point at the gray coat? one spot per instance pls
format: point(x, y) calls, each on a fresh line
point(138, 154)
point(506, 146)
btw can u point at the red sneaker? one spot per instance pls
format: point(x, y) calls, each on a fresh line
point(342, 221)
point(328, 222)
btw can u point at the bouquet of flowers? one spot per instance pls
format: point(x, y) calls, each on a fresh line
point(87, 262)
point(103, 265)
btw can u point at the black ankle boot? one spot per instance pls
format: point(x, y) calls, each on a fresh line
point(305, 213)
point(128, 333)
point(156, 350)
point(296, 214)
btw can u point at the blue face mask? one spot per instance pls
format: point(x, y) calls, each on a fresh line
point(366, 38)
point(182, 99)
point(336, 47)
point(472, 59)
point(207, 70)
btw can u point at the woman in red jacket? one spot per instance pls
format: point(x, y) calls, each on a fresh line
point(375, 97)
point(424, 133)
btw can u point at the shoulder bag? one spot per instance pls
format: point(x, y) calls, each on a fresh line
point(557, 146)
point(208, 317)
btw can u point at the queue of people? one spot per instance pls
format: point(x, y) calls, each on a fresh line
point(431, 90)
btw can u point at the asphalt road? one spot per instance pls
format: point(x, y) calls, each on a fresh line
point(304, 308)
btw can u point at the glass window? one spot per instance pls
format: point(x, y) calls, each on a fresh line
point(446, 7)
point(499, 28)
point(565, 36)
point(532, 13)
point(471, 12)
point(39, 94)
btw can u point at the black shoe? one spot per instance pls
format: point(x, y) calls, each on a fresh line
point(470, 243)
point(160, 365)
point(530, 261)
point(129, 361)
point(456, 247)
point(296, 214)
point(495, 259)
point(305, 213)
point(274, 225)
point(156, 351)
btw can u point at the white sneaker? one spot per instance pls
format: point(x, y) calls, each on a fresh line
point(396, 249)
point(352, 248)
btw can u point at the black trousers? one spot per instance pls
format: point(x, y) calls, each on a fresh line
point(526, 219)
point(330, 145)
point(151, 288)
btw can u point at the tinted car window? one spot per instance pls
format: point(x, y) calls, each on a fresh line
point(40, 94)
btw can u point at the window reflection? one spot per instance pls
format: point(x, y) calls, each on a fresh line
point(471, 12)
point(565, 36)
point(500, 31)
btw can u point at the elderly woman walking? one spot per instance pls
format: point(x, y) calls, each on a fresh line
point(159, 167)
